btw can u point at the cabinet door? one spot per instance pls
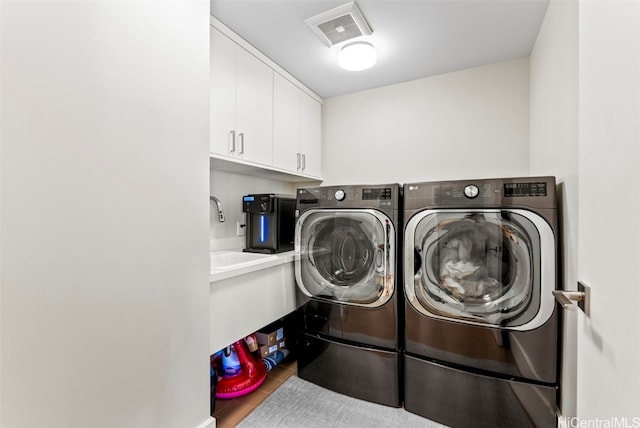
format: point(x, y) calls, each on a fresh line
point(310, 135)
point(286, 123)
point(222, 96)
point(254, 108)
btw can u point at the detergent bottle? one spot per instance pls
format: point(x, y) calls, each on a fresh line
point(230, 363)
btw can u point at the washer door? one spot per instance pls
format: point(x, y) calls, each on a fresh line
point(345, 256)
point(488, 267)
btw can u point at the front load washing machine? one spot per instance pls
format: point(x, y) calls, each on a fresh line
point(481, 325)
point(346, 248)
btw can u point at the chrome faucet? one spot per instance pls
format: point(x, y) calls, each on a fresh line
point(216, 201)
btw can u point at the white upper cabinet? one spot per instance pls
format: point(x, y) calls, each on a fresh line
point(254, 109)
point(296, 129)
point(241, 102)
point(310, 135)
point(222, 99)
point(286, 124)
point(262, 120)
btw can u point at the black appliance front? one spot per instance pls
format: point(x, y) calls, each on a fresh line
point(346, 251)
point(270, 222)
point(369, 374)
point(459, 398)
point(480, 268)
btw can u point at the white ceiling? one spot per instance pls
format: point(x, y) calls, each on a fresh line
point(414, 38)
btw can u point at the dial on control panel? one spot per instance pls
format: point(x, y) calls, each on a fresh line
point(339, 195)
point(471, 191)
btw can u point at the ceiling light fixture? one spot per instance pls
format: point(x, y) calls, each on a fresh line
point(357, 56)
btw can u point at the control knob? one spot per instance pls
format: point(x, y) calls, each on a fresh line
point(471, 191)
point(339, 195)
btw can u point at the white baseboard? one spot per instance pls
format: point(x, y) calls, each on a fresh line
point(209, 423)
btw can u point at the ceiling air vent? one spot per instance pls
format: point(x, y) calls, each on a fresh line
point(340, 24)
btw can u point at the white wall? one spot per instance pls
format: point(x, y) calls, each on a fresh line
point(467, 124)
point(609, 203)
point(230, 188)
point(585, 129)
point(104, 183)
point(554, 151)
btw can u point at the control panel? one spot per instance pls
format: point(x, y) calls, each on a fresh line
point(538, 192)
point(525, 189)
point(465, 191)
point(363, 194)
point(258, 203)
point(382, 196)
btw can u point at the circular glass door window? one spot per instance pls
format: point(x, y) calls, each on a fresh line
point(476, 265)
point(345, 256)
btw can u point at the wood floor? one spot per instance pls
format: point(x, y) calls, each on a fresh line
point(228, 413)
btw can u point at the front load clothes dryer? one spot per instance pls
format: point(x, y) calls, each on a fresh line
point(481, 326)
point(346, 249)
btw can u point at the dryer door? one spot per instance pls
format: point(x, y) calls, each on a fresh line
point(345, 256)
point(488, 267)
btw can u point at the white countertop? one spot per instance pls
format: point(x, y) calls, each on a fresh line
point(270, 260)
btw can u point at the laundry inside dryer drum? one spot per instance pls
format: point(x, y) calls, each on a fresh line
point(474, 265)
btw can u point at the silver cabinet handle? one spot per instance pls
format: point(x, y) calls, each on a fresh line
point(298, 164)
point(241, 143)
point(232, 141)
point(304, 162)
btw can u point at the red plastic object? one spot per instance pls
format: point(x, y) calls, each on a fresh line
point(251, 376)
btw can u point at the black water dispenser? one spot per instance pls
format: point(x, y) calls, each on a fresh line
point(270, 220)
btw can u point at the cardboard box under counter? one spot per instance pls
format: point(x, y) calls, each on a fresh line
point(270, 338)
point(269, 349)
